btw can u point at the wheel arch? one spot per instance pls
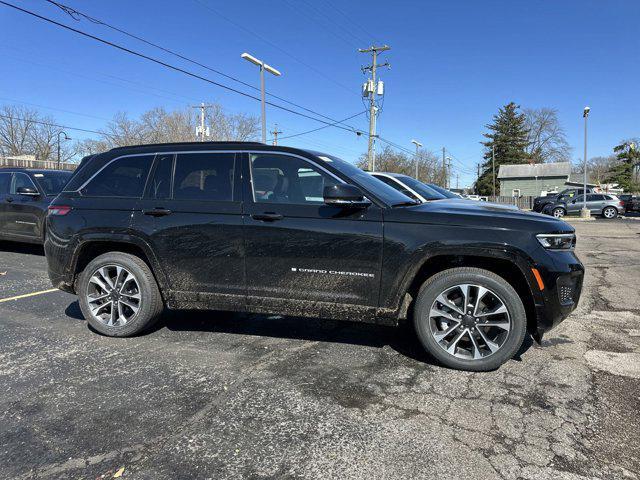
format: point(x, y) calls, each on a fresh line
point(92, 247)
point(515, 268)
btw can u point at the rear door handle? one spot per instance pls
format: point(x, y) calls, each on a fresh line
point(267, 217)
point(157, 212)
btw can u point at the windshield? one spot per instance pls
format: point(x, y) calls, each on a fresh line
point(443, 191)
point(425, 190)
point(52, 182)
point(383, 191)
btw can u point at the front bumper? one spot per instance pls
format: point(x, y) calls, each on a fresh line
point(561, 294)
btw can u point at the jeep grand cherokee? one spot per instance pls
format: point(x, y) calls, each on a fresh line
point(251, 227)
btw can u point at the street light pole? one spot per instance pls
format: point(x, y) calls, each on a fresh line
point(418, 145)
point(585, 213)
point(66, 137)
point(263, 66)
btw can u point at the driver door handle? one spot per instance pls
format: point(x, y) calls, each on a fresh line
point(267, 217)
point(157, 212)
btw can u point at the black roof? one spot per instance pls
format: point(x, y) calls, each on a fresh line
point(190, 144)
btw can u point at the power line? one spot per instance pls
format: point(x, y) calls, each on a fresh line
point(167, 65)
point(320, 128)
point(251, 32)
point(49, 124)
point(75, 14)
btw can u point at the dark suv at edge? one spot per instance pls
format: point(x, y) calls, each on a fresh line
point(251, 227)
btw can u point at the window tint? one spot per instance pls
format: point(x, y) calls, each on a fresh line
point(52, 182)
point(286, 179)
point(160, 185)
point(595, 198)
point(5, 180)
point(124, 177)
point(21, 180)
point(204, 176)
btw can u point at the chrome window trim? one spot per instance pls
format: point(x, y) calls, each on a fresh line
point(397, 180)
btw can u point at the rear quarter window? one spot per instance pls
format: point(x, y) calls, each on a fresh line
point(123, 177)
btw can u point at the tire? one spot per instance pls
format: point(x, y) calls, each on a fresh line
point(610, 212)
point(145, 312)
point(558, 212)
point(499, 291)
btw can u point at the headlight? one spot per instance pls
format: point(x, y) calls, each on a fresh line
point(557, 241)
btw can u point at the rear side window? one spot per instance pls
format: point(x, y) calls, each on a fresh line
point(595, 198)
point(5, 180)
point(124, 177)
point(204, 176)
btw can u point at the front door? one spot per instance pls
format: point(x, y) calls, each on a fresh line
point(24, 214)
point(298, 248)
point(191, 217)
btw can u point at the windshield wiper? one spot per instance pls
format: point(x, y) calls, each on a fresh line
point(405, 204)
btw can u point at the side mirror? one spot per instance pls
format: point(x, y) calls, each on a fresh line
point(28, 192)
point(345, 195)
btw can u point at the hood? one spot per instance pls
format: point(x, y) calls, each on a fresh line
point(477, 215)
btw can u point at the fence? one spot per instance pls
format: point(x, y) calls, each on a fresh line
point(32, 163)
point(524, 202)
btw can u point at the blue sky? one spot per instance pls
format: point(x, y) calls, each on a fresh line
point(453, 64)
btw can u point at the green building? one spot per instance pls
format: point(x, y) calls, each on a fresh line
point(533, 179)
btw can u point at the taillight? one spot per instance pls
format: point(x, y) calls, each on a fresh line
point(58, 210)
point(621, 203)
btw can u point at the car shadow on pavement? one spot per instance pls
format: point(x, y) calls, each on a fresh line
point(401, 339)
point(23, 248)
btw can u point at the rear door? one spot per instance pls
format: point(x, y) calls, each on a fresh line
point(298, 248)
point(191, 217)
point(25, 213)
point(595, 202)
point(5, 183)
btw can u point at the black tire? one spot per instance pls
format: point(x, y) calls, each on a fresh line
point(614, 213)
point(561, 212)
point(440, 282)
point(151, 304)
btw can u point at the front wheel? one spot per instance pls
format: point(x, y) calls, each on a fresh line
point(610, 212)
point(558, 212)
point(469, 319)
point(118, 295)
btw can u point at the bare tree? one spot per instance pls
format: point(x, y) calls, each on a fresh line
point(16, 126)
point(546, 139)
point(389, 160)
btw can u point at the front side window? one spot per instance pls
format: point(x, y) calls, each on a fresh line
point(21, 180)
point(5, 181)
point(124, 177)
point(286, 179)
point(204, 176)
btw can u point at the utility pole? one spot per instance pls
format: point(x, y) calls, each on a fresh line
point(444, 167)
point(448, 174)
point(477, 177)
point(493, 163)
point(585, 212)
point(457, 181)
point(418, 145)
point(373, 88)
point(201, 130)
point(275, 134)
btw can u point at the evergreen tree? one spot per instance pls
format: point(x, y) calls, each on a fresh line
point(508, 134)
point(622, 173)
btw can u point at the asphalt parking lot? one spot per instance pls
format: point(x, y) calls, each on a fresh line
point(220, 395)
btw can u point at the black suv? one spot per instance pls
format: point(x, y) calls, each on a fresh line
point(540, 202)
point(251, 227)
point(25, 195)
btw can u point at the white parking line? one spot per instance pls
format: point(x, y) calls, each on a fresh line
point(26, 295)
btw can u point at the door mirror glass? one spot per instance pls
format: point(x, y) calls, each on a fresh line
point(28, 191)
point(344, 195)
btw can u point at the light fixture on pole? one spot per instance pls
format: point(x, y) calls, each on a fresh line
point(585, 213)
point(66, 137)
point(263, 66)
point(418, 145)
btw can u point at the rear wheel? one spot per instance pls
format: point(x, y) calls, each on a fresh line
point(469, 319)
point(118, 295)
point(558, 212)
point(610, 212)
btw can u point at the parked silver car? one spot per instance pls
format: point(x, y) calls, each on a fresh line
point(609, 206)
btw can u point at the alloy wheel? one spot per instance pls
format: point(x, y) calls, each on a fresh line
point(469, 321)
point(113, 295)
point(558, 213)
point(609, 212)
